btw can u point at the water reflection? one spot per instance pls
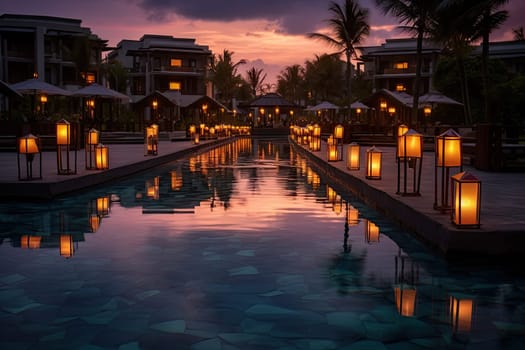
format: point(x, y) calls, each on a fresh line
point(243, 238)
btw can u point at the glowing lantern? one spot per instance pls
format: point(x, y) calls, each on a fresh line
point(29, 146)
point(102, 206)
point(448, 155)
point(391, 110)
point(66, 246)
point(352, 156)
point(101, 157)
point(94, 222)
point(338, 132)
point(151, 140)
point(333, 154)
point(373, 163)
point(176, 180)
point(461, 311)
point(405, 300)
point(92, 139)
point(427, 111)
point(31, 242)
point(192, 130)
point(410, 145)
point(371, 232)
point(383, 105)
point(43, 98)
point(315, 144)
point(352, 216)
point(63, 132)
point(401, 129)
point(196, 139)
point(409, 151)
point(63, 140)
point(466, 199)
point(331, 195)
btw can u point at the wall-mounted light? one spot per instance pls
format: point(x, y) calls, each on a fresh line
point(448, 155)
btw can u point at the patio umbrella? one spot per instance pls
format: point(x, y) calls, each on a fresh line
point(96, 90)
point(38, 87)
point(6, 90)
point(358, 104)
point(323, 106)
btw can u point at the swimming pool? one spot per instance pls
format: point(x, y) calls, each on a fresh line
point(244, 246)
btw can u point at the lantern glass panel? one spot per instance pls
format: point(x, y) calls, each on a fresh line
point(63, 129)
point(352, 156)
point(448, 149)
point(28, 144)
point(461, 314)
point(405, 300)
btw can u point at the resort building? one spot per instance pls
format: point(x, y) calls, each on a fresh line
point(59, 50)
point(163, 63)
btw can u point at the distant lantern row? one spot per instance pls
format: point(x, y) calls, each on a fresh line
point(465, 188)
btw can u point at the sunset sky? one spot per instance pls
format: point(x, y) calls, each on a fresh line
point(269, 34)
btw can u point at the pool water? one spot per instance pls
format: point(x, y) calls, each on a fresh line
point(241, 247)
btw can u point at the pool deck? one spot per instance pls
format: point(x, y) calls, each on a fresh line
point(502, 232)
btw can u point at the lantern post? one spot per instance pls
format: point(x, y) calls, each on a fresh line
point(92, 139)
point(410, 154)
point(65, 136)
point(29, 145)
point(448, 155)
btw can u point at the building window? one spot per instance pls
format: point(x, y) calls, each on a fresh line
point(401, 87)
point(176, 62)
point(89, 78)
point(174, 85)
point(401, 65)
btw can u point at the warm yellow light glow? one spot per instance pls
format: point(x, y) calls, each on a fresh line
point(338, 132)
point(373, 163)
point(66, 246)
point(28, 144)
point(94, 222)
point(331, 195)
point(391, 110)
point(410, 145)
point(103, 206)
point(352, 156)
point(448, 149)
point(155, 104)
point(43, 98)
point(29, 241)
point(63, 132)
point(333, 154)
point(461, 311)
point(176, 62)
point(401, 65)
point(192, 129)
point(176, 180)
point(466, 199)
point(196, 139)
point(427, 111)
point(400, 87)
point(405, 300)
point(315, 144)
point(101, 157)
point(371, 232)
point(92, 137)
point(352, 216)
point(401, 129)
point(358, 111)
point(175, 85)
point(383, 105)
point(153, 188)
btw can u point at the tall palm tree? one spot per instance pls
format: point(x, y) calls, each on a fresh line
point(290, 82)
point(255, 79)
point(349, 26)
point(225, 76)
point(416, 17)
point(492, 17)
point(324, 78)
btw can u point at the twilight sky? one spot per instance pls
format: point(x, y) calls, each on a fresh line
point(269, 34)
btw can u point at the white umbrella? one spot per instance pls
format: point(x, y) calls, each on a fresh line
point(322, 106)
point(358, 104)
point(96, 90)
point(35, 86)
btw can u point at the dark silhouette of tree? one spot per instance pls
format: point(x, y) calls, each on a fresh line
point(518, 33)
point(225, 77)
point(290, 83)
point(349, 25)
point(255, 80)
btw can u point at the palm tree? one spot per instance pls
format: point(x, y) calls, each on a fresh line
point(255, 80)
point(324, 78)
point(416, 15)
point(349, 26)
point(225, 76)
point(491, 18)
point(518, 33)
point(290, 83)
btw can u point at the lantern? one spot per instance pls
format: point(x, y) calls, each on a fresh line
point(352, 156)
point(66, 246)
point(101, 157)
point(29, 241)
point(427, 111)
point(405, 300)
point(409, 154)
point(383, 105)
point(338, 133)
point(315, 144)
point(352, 216)
point(371, 232)
point(391, 111)
point(94, 222)
point(102, 206)
point(92, 139)
point(401, 129)
point(333, 154)
point(151, 140)
point(43, 98)
point(373, 163)
point(196, 139)
point(153, 188)
point(64, 138)
point(466, 200)
point(192, 130)
point(448, 155)
point(461, 311)
point(29, 145)
point(176, 180)
point(331, 195)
